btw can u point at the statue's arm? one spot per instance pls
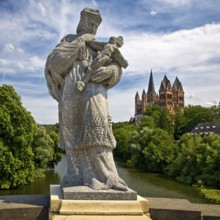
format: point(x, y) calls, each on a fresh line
point(109, 75)
point(115, 76)
point(59, 61)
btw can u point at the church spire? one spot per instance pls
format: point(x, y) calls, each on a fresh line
point(151, 89)
point(177, 85)
point(137, 97)
point(151, 94)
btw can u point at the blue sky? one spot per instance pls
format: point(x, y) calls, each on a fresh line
point(173, 37)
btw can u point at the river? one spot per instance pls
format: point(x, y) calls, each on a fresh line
point(145, 184)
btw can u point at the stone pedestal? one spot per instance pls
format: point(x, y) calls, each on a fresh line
point(87, 193)
point(78, 209)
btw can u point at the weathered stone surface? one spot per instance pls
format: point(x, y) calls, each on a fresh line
point(166, 214)
point(32, 207)
point(100, 207)
point(24, 207)
point(96, 209)
point(55, 198)
point(86, 193)
point(79, 72)
point(101, 217)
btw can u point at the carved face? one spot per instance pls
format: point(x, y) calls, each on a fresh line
point(112, 40)
point(87, 26)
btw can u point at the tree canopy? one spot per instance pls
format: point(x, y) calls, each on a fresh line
point(151, 149)
point(25, 147)
point(198, 160)
point(162, 143)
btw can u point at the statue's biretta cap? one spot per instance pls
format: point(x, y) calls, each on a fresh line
point(91, 14)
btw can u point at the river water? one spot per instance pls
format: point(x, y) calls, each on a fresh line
point(145, 184)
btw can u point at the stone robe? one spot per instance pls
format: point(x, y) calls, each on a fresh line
point(85, 126)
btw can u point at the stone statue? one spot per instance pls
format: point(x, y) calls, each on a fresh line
point(79, 71)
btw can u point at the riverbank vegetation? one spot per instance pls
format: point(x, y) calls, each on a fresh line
point(161, 143)
point(26, 148)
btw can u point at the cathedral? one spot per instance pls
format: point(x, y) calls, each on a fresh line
point(170, 97)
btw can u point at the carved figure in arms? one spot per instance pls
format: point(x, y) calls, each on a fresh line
point(110, 50)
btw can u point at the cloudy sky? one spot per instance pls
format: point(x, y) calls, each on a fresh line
point(173, 37)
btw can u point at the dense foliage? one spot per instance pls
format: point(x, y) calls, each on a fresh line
point(122, 132)
point(53, 132)
point(148, 151)
point(198, 160)
point(161, 143)
point(25, 147)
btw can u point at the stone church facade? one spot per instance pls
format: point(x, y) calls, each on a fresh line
point(170, 97)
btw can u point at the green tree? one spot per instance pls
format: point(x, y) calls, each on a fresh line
point(53, 127)
point(198, 160)
point(16, 136)
point(154, 111)
point(179, 124)
point(42, 146)
point(183, 163)
point(58, 152)
point(197, 114)
point(209, 161)
point(215, 111)
point(122, 133)
point(26, 149)
point(147, 121)
point(138, 140)
point(159, 151)
point(152, 149)
point(53, 132)
point(166, 121)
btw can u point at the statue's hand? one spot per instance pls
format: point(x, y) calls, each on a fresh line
point(87, 38)
point(101, 74)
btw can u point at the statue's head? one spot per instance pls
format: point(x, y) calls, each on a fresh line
point(118, 41)
point(90, 19)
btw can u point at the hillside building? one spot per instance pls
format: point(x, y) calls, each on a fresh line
point(206, 128)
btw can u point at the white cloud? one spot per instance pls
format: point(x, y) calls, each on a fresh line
point(28, 65)
point(3, 61)
point(176, 3)
point(9, 47)
point(42, 9)
point(189, 54)
point(37, 62)
point(94, 2)
point(20, 66)
point(20, 50)
point(153, 12)
point(178, 49)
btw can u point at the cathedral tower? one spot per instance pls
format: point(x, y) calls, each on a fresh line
point(144, 101)
point(137, 104)
point(170, 97)
point(166, 95)
point(178, 95)
point(152, 96)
